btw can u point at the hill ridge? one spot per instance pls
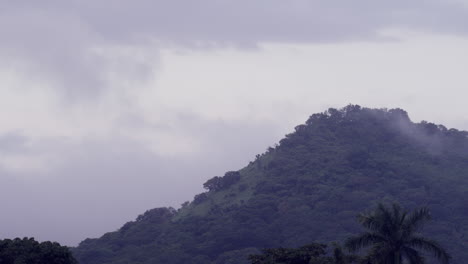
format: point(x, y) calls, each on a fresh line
point(307, 188)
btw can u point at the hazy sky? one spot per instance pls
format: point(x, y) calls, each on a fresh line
point(111, 107)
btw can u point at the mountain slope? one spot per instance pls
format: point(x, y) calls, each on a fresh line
point(308, 188)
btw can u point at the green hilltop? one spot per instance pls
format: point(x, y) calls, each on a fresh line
point(308, 188)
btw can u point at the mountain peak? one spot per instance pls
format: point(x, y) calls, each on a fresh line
point(308, 188)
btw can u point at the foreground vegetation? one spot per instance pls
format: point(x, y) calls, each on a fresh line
point(307, 188)
point(392, 235)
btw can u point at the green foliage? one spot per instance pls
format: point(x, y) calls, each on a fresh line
point(219, 183)
point(304, 255)
point(29, 251)
point(393, 236)
point(308, 188)
point(309, 254)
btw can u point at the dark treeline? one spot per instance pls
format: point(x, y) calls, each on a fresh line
point(29, 251)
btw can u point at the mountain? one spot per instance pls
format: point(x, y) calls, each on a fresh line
point(308, 188)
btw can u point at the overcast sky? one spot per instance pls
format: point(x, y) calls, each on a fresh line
point(112, 107)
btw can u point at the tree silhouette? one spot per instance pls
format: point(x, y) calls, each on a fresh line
point(29, 251)
point(313, 253)
point(393, 236)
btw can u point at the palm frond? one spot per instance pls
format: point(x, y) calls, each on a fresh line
point(416, 219)
point(378, 220)
point(412, 256)
point(386, 217)
point(369, 221)
point(362, 241)
point(403, 218)
point(432, 247)
point(383, 211)
point(396, 212)
point(379, 253)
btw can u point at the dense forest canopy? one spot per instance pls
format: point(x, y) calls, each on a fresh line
point(308, 188)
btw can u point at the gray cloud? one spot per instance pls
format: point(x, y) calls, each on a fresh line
point(54, 40)
point(12, 142)
point(238, 22)
point(47, 45)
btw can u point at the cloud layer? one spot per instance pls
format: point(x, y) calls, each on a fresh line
point(73, 45)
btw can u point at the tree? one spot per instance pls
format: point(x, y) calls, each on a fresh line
point(213, 184)
point(339, 257)
point(312, 253)
point(393, 236)
point(219, 183)
point(29, 251)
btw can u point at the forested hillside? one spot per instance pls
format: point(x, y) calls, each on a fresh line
point(308, 188)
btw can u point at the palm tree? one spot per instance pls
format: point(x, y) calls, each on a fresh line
point(394, 238)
